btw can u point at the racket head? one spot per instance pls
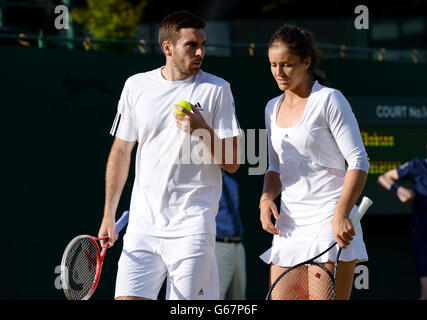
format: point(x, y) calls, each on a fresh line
point(308, 281)
point(81, 267)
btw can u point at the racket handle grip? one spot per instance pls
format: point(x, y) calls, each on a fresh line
point(123, 221)
point(361, 210)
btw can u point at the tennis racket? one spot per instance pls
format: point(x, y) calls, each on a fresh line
point(310, 280)
point(82, 263)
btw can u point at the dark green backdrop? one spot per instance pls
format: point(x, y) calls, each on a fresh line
point(58, 106)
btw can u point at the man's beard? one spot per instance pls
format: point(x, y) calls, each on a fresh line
point(181, 67)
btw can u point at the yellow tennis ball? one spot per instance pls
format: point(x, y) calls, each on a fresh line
point(183, 104)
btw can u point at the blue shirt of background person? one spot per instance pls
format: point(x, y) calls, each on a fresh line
point(228, 222)
point(416, 170)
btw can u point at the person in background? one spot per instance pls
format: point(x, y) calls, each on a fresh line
point(229, 249)
point(415, 170)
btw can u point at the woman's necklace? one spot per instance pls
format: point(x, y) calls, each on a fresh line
point(291, 106)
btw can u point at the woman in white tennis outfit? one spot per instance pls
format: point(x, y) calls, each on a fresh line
point(312, 131)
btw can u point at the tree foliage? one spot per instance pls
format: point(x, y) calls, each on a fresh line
point(109, 20)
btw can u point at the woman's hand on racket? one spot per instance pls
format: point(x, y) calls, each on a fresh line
point(108, 229)
point(267, 208)
point(342, 230)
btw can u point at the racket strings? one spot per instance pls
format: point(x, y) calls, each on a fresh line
point(80, 268)
point(305, 282)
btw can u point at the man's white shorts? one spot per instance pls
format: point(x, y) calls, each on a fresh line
point(188, 263)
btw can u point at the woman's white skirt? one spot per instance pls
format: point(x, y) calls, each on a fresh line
point(294, 245)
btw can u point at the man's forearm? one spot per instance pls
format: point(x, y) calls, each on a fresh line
point(117, 172)
point(224, 152)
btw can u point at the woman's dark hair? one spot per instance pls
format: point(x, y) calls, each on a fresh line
point(300, 42)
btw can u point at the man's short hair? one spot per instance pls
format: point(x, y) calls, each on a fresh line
point(174, 22)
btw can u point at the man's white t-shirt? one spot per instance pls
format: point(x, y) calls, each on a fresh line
point(175, 192)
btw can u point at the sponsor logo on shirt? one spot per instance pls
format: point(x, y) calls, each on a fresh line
point(199, 107)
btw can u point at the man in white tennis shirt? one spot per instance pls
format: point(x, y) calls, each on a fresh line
point(171, 230)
